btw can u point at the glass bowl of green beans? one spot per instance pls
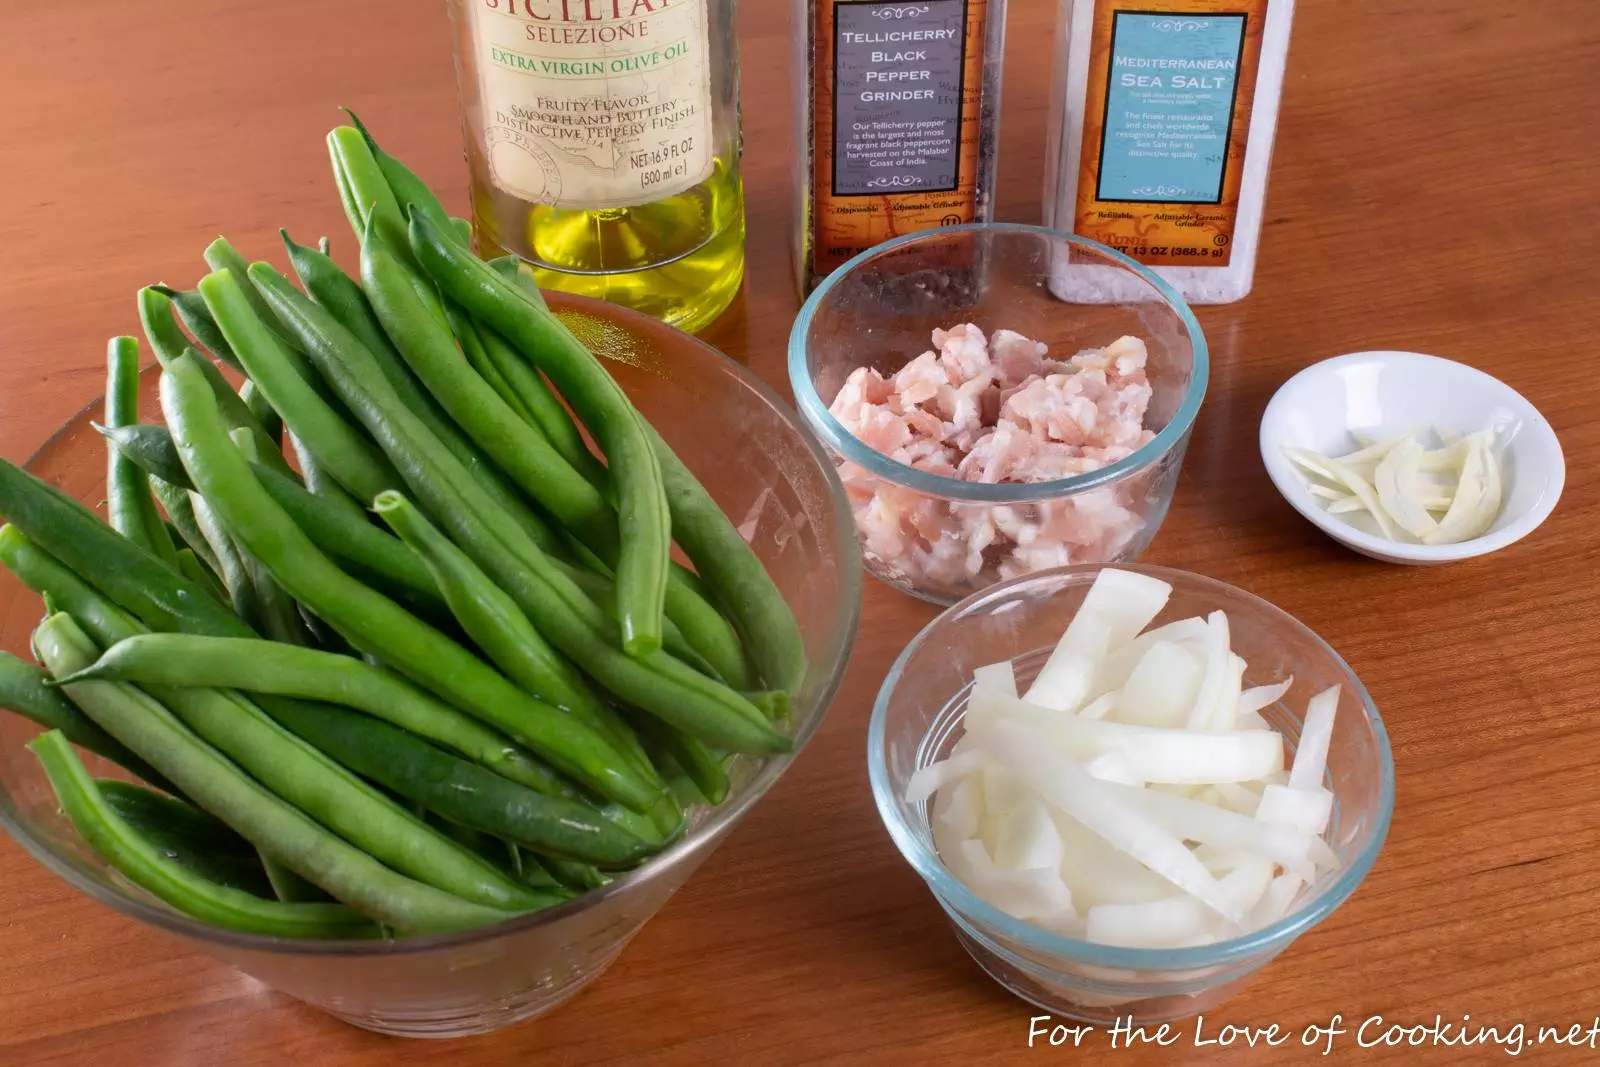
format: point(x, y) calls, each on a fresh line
point(768, 476)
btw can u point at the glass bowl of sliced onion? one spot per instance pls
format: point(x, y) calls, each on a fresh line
point(1130, 787)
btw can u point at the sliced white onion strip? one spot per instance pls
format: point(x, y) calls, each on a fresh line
point(1064, 682)
point(935, 776)
point(1308, 810)
point(1099, 707)
point(1275, 903)
point(1205, 824)
point(1163, 687)
point(1217, 666)
point(1026, 894)
point(1098, 873)
point(1261, 696)
point(1120, 663)
point(1311, 755)
point(996, 678)
point(1176, 922)
point(1153, 753)
point(1064, 784)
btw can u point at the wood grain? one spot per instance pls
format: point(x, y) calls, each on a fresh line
point(1433, 189)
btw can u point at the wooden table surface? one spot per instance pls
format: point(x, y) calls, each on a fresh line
point(1434, 189)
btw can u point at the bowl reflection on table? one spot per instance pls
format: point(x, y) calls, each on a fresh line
point(768, 475)
point(917, 720)
point(880, 310)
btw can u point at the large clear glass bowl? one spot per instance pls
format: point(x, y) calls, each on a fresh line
point(917, 720)
point(768, 475)
point(920, 531)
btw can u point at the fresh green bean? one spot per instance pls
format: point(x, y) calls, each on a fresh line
point(406, 187)
point(108, 624)
point(774, 703)
point(193, 568)
point(319, 786)
point(149, 448)
point(338, 294)
point(352, 459)
point(704, 767)
point(563, 433)
point(579, 876)
point(187, 836)
point(498, 627)
point(133, 578)
point(196, 318)
point(574, 624)
point(370, 620)
point(23, 690)
point(553, 417)
point(262, 409)
point(257, 815)
point(347, 536)
point(315, 480)
point(129, 506)
point(529, 868)
point(284, 670)
point(725, 560)
point(464, 792)
point(719, 552)
point(105, 622)
point(300, 775)
point(516, 272)
point(503, 854)
point(516, 447)
point(325, 638)
point(642, 508)
point(353, 211)
point(463, 231)
point(162, 874)
point(598, 588)
point(544, 408)
point(220, 256)
point(451, 494)
point(232, 566)
point(175, 502)
point(374, 201)
point(466, 334)
point(697, 620)
point(280, 617)
point(155, 312)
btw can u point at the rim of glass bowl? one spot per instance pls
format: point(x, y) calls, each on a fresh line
point(851, 447)
point(950, 888)
point(833, 661)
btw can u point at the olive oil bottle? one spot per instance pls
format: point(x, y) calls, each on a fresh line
point(602, 137)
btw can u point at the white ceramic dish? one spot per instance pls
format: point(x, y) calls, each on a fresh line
point(1377, 392)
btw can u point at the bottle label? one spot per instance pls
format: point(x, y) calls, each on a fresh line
point(1166, 118)
point(898, 89)
point(594, 103)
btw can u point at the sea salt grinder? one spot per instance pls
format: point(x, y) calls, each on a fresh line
point(1161, 139)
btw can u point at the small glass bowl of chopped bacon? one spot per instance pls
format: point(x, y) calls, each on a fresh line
point(984, 428)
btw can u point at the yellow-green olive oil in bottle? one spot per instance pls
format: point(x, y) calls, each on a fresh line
point(603, 142)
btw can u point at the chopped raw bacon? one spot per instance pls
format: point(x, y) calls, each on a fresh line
point(996, 409)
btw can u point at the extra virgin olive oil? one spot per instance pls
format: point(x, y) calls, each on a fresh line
point(603, 143)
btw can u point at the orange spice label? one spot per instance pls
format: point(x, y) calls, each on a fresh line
point(1166, 114)
point(897, 118)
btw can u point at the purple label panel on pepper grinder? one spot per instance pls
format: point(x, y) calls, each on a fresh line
point(897, 96)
